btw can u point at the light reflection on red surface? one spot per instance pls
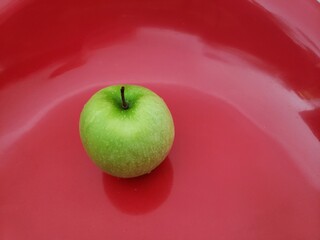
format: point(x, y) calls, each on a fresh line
point(242, 85)
point(104, 23)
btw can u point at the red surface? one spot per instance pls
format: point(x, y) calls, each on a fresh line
point(242, 80)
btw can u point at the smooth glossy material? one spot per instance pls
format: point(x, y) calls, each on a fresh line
point(242, 80)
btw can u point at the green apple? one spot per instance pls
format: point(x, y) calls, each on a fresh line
point(127, 130)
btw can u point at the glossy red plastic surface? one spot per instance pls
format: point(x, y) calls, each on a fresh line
point(242, 80)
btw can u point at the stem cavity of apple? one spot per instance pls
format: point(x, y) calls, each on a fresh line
point(124, 103)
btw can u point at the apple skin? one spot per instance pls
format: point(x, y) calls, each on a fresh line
point(126, 142)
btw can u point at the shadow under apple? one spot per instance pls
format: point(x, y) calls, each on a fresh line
point(141, 194)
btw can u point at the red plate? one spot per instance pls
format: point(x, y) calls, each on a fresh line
point(242, 80)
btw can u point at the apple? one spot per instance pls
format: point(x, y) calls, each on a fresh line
point(127, 130)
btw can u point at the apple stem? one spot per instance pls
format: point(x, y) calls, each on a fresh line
point(124, 103)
